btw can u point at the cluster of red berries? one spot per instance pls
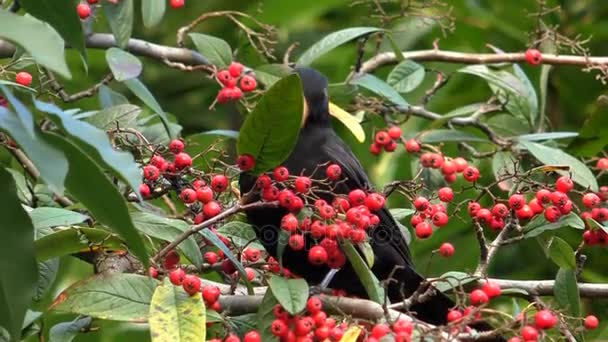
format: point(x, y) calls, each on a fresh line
point(229, 78)
point(533, 57)
point(544, 320)
point(450, 167)
point(428, 214)
point(158, 166)
point(251, 336)
point(386, 140)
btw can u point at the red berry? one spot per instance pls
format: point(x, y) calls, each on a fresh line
point(529, 333)
point(176, 3)
point(263, 182)
point(423, 230)
point(437, 160)
point(235, 69)
point(390, 146)
point(182, 160)
point(543, 196)
point(446, 194)
point(153, 272)
point(296, 242)
point(591, 322)
point(484, 216)
point(281, 174)
point(24, 78)
point(219, 183)
point(491, 289)
point(545, 319)
point(446, 250)
point(448, 167)
point(92, 2)
point(524, 213)
point(171, 260)
point(188, 196)
point(204, 194)
point(333, 172)
point(478, 297)
point(454, 315)
point(473, 207)
point(83, 10)
point(314, 305)
point(552, 214)
point(497, 223)
point(394, 132)
point(564, 184)
point(590, 237)
point(302, 184)
point(289, 223)
point(357, 197)
point(559, 199)
point(471, 173)
point(602, 164)
point(211, 209)
point(536, 207)
point(191, 284)
point(403, 325)
point(591, 200)
point(176, 146)
point(227, 80)
point(232, 338)
point(375, 149)
point(533, 57)
point(440, 219)
point(461, 164)
point(211, 257)
point(317, 255)
point(421, 203)
point(252, 336)
point(211, 293)
point(279, 328)
point(500, 210)
point(517, 201)
point(252, 254)
point(228, 267)
point(412, 146)
point(177, 276)
point(382, 138)
point(380, 330)
point(374, 201)
point(144, 190)
point(245, 162)
point(248, 83)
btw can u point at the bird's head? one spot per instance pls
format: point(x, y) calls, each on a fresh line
point(316, 104)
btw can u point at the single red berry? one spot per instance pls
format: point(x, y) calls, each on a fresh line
point(296, 242)
point(403, 325)
point(92, 2)
point(317, 255)
point(177, 276)
point(497, 223)
point(314, 305)
point(235, 69)
point(153, 272)
point(591, 200)
point(245, 162)
point(545, 319)
point(500, 210)
point(423, 230)
point(602, 164)
point(198, 183)
point(446, 194)
point(448, 168)
point(412, 146)
point(176, 3)
point(281, 174)
point(188, 196)
point(374, 201)
point(83, 10)
point(227, 80)
point(591, 322)
point(564, 184)
point(263, 182)
point(454, 315)
point(421, 203)
point(534, 57)
point(450, 178)
point(543, 196)
point(171, 260)
point(390, 146)
point(232, 338)
point(536, 206)
point(471, 173)
point(437, 160)
point(529, 333)
point(590, 237)
point(24, 78)
point(380, 330)
point(382, 138)
point(461, 164)
point(182, 160)
point(394, 132)
point(302, 184)
point(517, 201)
point(211, 257)
point(144, 190)
point(211, 209)
point(559, 199)
point(248, 83)
point(252, 254)
point(525, 213)
point(289, 223)
point(357, 197)
point(191, 284)
point(336, 334)
point(491, 289)
point(375, 149)
point(228, 267)
point(478, 297)
point(219, 183)
point(440, 219)
point(204, 194)
point(473, 207)
point(333, 172)
point(552, 214)
point(252, 336)
point(232, 93)
point(446, 250)
point(279, 328)
point(211, 293)
point(484, 216)
point(176, 146)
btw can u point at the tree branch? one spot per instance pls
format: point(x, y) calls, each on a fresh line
point(545, 287)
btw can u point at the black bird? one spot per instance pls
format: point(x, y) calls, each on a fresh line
point(318, 144)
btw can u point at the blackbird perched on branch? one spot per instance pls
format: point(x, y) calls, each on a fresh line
point(318, 144)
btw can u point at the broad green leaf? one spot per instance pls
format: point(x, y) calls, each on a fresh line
point(74, 240)
point(267, 74)
point(157, 133)
point(451, 280)
point(123, 116)
point(36, 37)
point(547, 136)
point(539, 225)
point(140, 90)
point(105, 204)
point(96, 143)
point(566, 291)
point(152, 12)
point(331, 41)
point(18, 270)
point(554, 156)
point(17, 85)
point(241, 234)
point(216, 50)
point(467, 110)
point(530, 93)
point(61, 15)
point(110, 98)
point(23, 191)
point(175, 316)
point(51, 217)
point(561, 253)
point(348, 120)
point(47, 271)
point(503, 164)
point(368, 253)
point(292, 294)
point(440, 135)
point(544, 82)
point(367, 278)
point(214, 240)
point(116, 296)
point(406, 76)
point(67, 331)
point(50, 161)
point(378, 86)
point(401, 213)
point(124, 66)
point(593, 136)
point(271, 131)
point(243, 324)
point(222, 132)
point(120, 18)
point(266, 316)
point(168, 229)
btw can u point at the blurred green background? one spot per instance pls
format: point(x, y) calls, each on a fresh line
point(505, 24)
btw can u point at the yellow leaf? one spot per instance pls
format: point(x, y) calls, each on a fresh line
point(348, 120)
point(351, 335)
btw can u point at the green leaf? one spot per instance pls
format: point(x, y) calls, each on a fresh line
point(214, 240)
point(36, 37)
point(365, 274)
point(566, 291)
point(152, 12)
point(67, 331)
point(47, 272)
point(401, 213)
point(18, 270)
point(120, 18)
point(451, 280)
point(74, 240)
point(157, 134)
point(292, 294)
point(168, 230)
point(116, 296)
point(561, 253)
point(216, 50)
point(51, 217)
point(123, 116)
point(530, 93)
point(140, 90)
point(406, 76)
point(441, 135)
point(539, 225)
point(381, 88)
point(176, 316)
point(241, 234)
point(368, 253)
point(109, 98)
point(271, 131)
point(547, 136)
point(592, 137)
point(106, 204)
point(61, 15)
point(222, 132)
point(504, 163)
point(50, 161)
point(554, 156)
point(23, 191)
point(268, 74)
point(406, 233)
point(124, 66)
point(331, 41)
point(96, 143)
point(266, 316)
point(593, 224)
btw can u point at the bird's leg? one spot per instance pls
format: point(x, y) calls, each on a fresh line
point(325, 282)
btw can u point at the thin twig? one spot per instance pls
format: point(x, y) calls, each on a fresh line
point(57, 87)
